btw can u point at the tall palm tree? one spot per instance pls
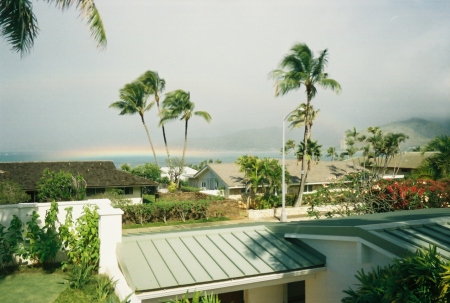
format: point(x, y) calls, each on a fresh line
point(297, 69)
point(154, 86)
point(19, 25)
point(133, 100)
point(178, 105)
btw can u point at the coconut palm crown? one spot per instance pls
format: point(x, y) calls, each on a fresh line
point(299, 68)
point(177, 105)
point(19, 25)
point(133, 100)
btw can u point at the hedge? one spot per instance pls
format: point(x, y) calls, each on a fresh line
point(163, 211)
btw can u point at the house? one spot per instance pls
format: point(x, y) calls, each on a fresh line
point(100, 177)
point(227, 176)
point(187, 172)
point(402, 164)
point(305, 261)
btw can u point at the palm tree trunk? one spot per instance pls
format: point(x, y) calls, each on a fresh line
point(305, 142)
point(164, 134)
point(184, 150)
point(149, 140)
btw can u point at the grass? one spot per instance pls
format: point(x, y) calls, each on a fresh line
point(32, 285)
point(170, 223)
point(35, 285)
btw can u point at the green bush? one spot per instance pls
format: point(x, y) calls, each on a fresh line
point(163, 211)
point(190, 189)
point(417, 278)
point(61, 186)
point(12, 193)
point(43, 243)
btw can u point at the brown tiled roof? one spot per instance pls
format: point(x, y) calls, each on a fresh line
point(410, 160)
point(96, 173)
point(322, 172)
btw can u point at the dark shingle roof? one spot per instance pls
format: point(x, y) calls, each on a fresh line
point(96, 173)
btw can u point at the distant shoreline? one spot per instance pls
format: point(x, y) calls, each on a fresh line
point(132, 159)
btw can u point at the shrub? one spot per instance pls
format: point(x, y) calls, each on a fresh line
point(12, 193)
point(416, 278)
point(190, 189)
point(43, 243)
point(61, 186)
point(115, 196)
point(163, 211)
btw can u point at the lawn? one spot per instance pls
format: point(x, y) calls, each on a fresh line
point(32, 285)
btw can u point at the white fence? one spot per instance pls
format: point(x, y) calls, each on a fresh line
point(110, 230)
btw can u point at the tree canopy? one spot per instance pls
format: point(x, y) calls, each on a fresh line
point(19, 25)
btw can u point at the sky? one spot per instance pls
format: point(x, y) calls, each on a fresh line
point(392, 59)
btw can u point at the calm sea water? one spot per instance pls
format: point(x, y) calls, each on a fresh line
point(133, 160)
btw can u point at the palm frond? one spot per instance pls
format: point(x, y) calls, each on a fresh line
point(204, 115)
point(90, 13)
point(18, 24)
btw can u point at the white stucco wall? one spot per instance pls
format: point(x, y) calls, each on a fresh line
point(268, 294)
point(344, 259)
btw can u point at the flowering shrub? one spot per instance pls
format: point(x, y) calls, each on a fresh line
point(411, 194)
point(354, 196)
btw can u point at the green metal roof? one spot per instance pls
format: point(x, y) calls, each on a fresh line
point(399, 232)
point(168, 260)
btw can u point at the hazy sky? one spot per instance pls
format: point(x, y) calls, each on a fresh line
point(392, 59)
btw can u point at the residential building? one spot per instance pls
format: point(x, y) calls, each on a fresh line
point(226, 176)
point(100, 177)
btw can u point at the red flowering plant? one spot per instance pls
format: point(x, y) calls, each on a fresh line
point(413, 194)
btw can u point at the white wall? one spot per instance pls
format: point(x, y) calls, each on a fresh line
point(268, 294)
point(343, 262)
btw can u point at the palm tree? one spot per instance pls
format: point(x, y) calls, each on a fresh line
point(297, 69)
point(302, 115)
point(313, 152)
point(177, 105)
point(19, 25)
point(133, 100)
point(439, 163)
point(331, 152)
point(154, 86)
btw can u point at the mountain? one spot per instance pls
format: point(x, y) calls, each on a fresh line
point(420, 132)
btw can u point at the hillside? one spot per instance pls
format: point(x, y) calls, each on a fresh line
point(420, 132)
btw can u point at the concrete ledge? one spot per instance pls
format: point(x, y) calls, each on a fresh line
point(290, 211)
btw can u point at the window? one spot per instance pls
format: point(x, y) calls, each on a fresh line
point(125, 190)
point(94, 191)
point(296, 292)
point(203, 184)
point(308, 188)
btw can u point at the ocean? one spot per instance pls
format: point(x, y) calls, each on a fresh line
point(132, 159)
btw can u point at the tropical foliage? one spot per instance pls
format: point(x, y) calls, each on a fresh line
point(197, 298)
point(349, 198)
point(18, 23)
point(12, 193)
point(378, 148)
point(178, 105)
point(438, 165)
point(299, 68)
point(61, 186)
point(133, 100)
point(421, 278)
point(264, 176)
